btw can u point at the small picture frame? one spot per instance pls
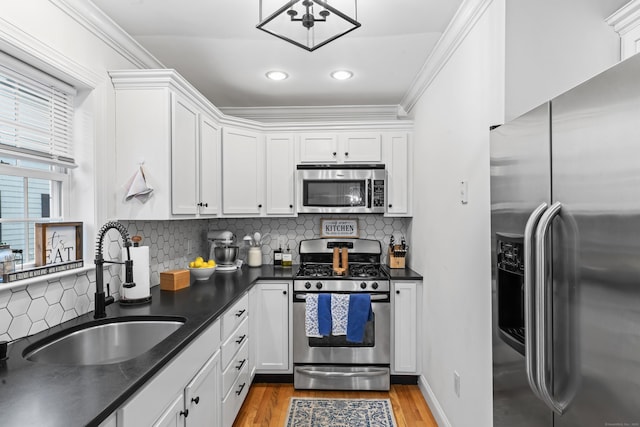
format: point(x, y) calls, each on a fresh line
point(339, 228)
point(58, 242)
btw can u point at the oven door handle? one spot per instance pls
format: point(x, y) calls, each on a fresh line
point(376, 297)
point(371, 373)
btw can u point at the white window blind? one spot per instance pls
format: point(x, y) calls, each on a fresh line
point(36, 115)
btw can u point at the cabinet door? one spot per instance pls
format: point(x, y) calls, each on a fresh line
point(405, 347)
point(242, 172)
point(202, 395)
point(318, 148)
point(209, 166)
point(184, 154)
point(398, 174)
point(280, 174)
point(174, 416)
point(272, 327)
point(361, 148)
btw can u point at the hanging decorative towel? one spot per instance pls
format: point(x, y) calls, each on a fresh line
point(137, 187)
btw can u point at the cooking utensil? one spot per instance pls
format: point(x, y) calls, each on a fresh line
point(257, 237)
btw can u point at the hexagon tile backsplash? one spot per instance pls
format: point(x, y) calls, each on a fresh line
point(172, 244)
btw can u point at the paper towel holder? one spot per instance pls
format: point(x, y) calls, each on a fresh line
point(141, 293)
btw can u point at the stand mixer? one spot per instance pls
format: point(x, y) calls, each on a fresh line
point(223, 250)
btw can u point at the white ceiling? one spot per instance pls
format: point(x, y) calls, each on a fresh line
point(215, 45)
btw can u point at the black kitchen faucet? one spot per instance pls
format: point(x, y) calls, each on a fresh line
point(101, 301)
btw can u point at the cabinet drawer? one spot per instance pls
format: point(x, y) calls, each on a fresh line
point(231, 346)
point(232, 371)
point(233, 401)
point(234, 316)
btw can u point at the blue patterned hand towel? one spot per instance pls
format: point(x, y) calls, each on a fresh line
point(311, 316)
point(339, 313)
point(360, 313)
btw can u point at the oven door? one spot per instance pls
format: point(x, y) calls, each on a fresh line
point(374, 350)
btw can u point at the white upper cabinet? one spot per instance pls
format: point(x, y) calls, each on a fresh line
point(361, 147)
point(318, 148)
point(184, 156)
point(280, 170)
point(399, 167)
point(209, 166)
point(347, 147)
point(242, 172)
point(161, 124)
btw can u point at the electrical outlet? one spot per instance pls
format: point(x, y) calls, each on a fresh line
point(456, 383)
point(189, 247)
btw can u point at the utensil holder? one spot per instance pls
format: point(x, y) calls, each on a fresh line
point(254, 256)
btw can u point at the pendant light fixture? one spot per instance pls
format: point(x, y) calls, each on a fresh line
point(308, 24)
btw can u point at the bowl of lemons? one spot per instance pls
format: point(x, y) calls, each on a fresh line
point(201, 269)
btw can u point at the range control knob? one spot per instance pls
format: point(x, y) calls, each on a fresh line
point(374, 285)
point(363, 285)
point(319, 285)
point(307, 285)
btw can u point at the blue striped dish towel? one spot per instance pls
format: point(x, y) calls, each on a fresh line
point(311, 316)
point(339, 313)
point(360, 313)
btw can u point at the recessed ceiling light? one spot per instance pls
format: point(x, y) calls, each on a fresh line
point(342, 74)
point(277, 75)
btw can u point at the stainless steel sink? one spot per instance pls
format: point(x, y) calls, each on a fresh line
point(104, 341)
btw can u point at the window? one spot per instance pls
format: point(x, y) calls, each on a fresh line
point(36, 134)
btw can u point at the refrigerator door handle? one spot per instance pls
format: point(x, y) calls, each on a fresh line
point(529, 298)
point(543, 331)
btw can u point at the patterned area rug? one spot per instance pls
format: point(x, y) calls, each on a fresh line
point(307, 412)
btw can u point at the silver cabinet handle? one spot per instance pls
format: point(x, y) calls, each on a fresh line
point(529, 297)
point(371, 373)
point(543, 329)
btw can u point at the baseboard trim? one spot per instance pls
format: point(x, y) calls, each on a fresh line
point(432, 401)
point(404, 379)
point(274, 378)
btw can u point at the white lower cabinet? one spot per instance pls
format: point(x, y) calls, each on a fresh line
point(174, 416)
point(234, 362)
point(192, 373)
point(202, 395)
point(272, 327)
point(406, 324)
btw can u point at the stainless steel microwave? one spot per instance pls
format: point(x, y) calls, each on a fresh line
point(331, 188)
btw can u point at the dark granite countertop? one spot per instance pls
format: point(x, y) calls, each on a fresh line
point(403, 274)
point(36, 394)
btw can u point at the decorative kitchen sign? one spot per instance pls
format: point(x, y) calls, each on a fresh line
point(58, 242)
point(339, 227)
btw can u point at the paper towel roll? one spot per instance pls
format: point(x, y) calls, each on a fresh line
point(140, 258)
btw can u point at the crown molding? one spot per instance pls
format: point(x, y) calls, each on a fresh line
point(17, 43)
point(171, 79)
point(462, 22)
point(93, 19)
point(626, 18)
point(319, 113)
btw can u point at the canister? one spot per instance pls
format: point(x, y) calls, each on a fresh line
point(254, 256)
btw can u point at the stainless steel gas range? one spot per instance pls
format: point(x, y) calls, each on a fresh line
point(332, 361)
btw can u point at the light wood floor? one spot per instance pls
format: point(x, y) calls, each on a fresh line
point(267, 404)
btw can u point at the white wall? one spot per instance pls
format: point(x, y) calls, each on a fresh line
point(450, 239)
point(42, 34)
point(549, 48)
point(552, 46)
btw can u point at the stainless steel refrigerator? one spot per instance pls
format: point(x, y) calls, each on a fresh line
point(565, 200)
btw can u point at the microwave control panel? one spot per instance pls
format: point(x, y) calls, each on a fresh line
point(378, 193)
